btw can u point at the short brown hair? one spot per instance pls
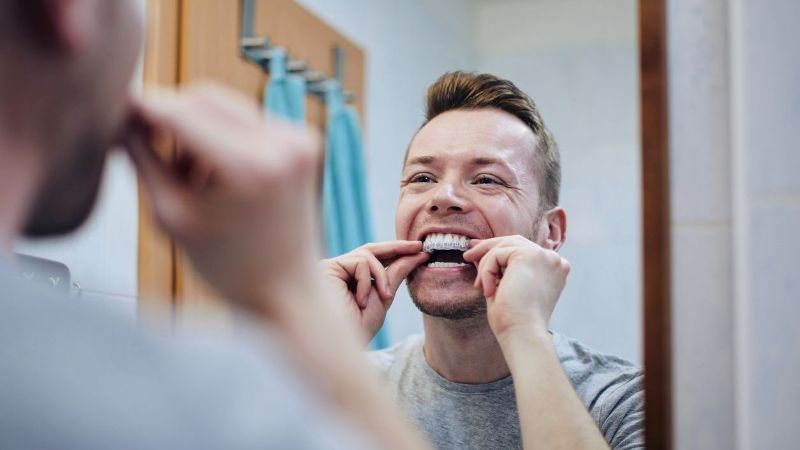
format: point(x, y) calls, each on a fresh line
point(463, 90)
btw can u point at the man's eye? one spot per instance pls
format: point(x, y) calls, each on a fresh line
point(486, 180)
point(421, 178)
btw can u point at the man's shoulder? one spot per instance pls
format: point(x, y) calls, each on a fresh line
point(107, 378)
point(601, 380)
point(398, 355)
point(584, 364)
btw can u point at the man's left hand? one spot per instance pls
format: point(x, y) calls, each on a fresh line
point(521, 282)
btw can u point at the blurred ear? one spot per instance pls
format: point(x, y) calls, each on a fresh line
point(60, 25)
point(556, 221)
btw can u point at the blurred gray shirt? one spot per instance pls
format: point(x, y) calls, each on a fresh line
point(484, 416)
point(74, 377)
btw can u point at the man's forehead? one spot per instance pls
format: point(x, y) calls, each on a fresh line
point(465, 157)
point(477, 137)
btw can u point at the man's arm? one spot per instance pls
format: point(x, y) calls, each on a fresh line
point(522, 283)
point(240, 198)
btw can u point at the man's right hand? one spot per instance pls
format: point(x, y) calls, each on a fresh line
point(239, 194)
point(366, 279)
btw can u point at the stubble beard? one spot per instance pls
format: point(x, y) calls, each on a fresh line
point(470, 306)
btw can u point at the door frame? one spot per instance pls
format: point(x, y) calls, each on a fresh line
point(656, 242)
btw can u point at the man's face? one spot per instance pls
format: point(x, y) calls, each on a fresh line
point(468, 173)
point(88, 105)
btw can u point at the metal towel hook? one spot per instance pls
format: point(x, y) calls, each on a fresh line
point(259, 50)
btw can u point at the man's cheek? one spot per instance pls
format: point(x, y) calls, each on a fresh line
point(402, 224)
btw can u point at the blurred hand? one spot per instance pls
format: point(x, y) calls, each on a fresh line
point(239, 196)
point(521, 282)
point(366, 279)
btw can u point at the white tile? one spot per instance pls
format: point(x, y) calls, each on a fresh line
point(772, 331)
point(601, 304)
point(699, 111)
point(771, 95)
point(702, 318)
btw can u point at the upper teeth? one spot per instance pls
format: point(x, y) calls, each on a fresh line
point(438, 241)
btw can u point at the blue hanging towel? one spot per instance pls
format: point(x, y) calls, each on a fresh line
point(344, 195)
point(284, 95)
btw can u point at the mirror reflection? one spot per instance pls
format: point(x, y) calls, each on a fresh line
point(429, 210)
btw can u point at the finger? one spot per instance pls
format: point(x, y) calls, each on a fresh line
point(380, 276)
point(349, 264)
point(363, 283)
point(233, 152)
point(489, 275)
point(356, 272)
point(198, 131)
point(479, 247)
point(401, 267)
point(491, 269)
point(392, 249)
point(227, 103)
point(166, 193)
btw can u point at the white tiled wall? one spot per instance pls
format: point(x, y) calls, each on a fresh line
point(768, 84)
point(702, 272)
point(734, 82)
point(703, 313)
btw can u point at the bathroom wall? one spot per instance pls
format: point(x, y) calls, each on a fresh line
point(734, 96)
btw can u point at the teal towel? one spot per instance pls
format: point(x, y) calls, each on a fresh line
point(344, 196)
point(284, 95)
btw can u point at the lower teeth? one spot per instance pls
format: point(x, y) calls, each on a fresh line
point(446, 264)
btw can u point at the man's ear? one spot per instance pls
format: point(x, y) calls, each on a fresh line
point(556, 221)
point(60, 25)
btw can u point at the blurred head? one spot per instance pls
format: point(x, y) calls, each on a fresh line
point(66, 93)
point(482, 165)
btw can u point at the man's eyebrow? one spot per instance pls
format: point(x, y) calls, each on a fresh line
point(484, 161)
point(489, 161)
point(424, 160)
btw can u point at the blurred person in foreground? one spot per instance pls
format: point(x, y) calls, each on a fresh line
point(239, 199)
point(480, 225)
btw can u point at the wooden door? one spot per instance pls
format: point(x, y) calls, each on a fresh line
point(194, 40)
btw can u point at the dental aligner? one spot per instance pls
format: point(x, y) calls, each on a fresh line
point(438, 241)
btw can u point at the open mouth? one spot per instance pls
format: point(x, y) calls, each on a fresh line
point(447, 250)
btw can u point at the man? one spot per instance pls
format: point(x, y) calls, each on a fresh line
point(239, 199)
point(480, 227)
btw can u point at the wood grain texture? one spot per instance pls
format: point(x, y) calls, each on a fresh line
point(656, 224)
point(156, 263)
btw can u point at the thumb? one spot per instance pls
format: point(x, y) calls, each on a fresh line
point(399, 269)
point(166, 193)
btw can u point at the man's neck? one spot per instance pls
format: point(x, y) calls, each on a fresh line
point(463, 351)
point(19, 174)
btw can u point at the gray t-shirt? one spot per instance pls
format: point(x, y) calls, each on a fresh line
point(484, 416)
point(74, 377)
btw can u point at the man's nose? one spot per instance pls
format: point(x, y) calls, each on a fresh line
point(447, 199)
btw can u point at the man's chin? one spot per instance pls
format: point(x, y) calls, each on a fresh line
point(460, 309)
point(447, 298)
point(63, 206)
point(50, 223)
